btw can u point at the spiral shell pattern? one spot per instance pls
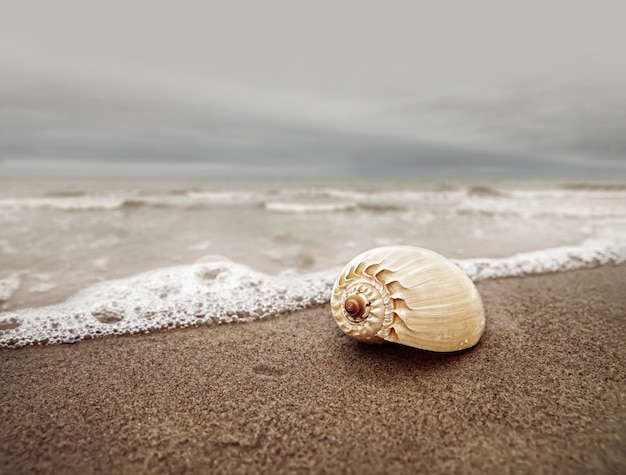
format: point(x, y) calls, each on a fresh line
point(408, 295)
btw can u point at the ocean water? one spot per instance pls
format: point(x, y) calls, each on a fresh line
point(81, 259)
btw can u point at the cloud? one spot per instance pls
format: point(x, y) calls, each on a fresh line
point(568, 121)
point(51, 128)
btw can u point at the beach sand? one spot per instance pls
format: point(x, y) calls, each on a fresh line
point(544, 391)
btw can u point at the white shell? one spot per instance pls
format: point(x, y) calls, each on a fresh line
point(413, 296)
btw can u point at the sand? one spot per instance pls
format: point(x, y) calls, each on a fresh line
point(544, 391)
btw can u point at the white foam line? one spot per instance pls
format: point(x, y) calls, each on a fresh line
point(564, 203)
point(591, 253)
point(83, 203)
point(109, 203)
point(287, 207)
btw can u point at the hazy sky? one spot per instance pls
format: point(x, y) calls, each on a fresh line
point(312, 89)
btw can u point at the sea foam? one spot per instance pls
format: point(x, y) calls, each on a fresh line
point(290, 207)
point(216, 291)
point(591, 253)
point(219, 291)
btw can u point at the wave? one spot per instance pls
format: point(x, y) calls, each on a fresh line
point(294, 201)
point(560, 202)
point(591, 253)
point(217, 291)
point(65, 203)
point(535, 208)
point(291, 207)
point(113, 202)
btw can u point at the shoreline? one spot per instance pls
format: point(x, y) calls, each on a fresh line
point(543, 390)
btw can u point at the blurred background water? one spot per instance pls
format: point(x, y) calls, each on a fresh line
point(59, 237)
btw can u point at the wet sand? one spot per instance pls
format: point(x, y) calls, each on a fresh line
point(544, 391)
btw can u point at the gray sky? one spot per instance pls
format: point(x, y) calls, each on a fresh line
point(312, 89)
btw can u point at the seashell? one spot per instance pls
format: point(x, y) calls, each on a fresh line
point(408, 295)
